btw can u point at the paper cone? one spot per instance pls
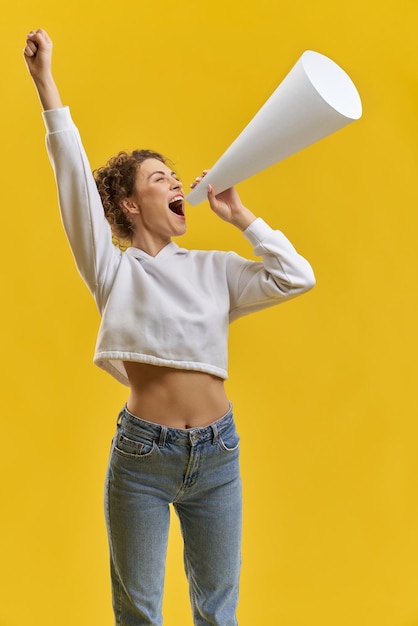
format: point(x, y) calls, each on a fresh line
point(315, 99)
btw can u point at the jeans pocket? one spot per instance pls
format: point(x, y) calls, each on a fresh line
point(229, 439)
point(131, 448)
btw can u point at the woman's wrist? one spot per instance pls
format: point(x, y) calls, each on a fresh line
point(243, 218)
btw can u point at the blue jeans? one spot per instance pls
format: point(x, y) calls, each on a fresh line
point(196, 470)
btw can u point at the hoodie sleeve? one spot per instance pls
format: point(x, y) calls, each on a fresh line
point(82, 214)
point(282, 274)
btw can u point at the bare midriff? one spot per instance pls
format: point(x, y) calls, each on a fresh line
point(174, 397)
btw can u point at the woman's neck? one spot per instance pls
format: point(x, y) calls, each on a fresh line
point(149, 244)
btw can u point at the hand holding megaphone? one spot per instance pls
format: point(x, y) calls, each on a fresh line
point(227, 204)
point(315, 99)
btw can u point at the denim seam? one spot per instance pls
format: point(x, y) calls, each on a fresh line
point(116, 587)
point(192, 593)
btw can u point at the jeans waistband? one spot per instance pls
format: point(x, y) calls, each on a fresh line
point(163, 434)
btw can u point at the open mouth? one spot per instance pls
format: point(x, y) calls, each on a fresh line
point(176, 205)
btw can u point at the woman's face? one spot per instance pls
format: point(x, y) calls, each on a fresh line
point(159, 199)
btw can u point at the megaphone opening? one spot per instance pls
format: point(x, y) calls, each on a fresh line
point(332, 84)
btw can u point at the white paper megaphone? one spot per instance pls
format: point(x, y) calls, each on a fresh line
point(315, 99)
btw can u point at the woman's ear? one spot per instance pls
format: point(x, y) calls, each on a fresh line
point(129, 206)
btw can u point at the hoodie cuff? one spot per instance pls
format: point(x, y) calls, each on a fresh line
point(257, 232)
point(58, 119)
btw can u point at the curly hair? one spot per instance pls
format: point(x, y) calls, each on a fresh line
point(115, 181)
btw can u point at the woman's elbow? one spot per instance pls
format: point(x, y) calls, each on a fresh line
point(303, 282)
point(309, 281)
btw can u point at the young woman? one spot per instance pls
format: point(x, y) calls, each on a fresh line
point(165, 314)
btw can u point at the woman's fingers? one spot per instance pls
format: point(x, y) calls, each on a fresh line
point(198, 179)
point(30, 48)
point(36, 39)
point(39, 34)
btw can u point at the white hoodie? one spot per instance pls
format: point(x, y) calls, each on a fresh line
point(173, 309)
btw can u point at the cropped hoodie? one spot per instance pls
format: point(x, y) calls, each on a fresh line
point(173, 309)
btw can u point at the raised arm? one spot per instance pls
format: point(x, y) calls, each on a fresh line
point(38, 57)
point(87, 229)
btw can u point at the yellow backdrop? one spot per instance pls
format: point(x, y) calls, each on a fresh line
point(323, 387)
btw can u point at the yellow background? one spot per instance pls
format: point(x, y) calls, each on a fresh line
point(324, 387)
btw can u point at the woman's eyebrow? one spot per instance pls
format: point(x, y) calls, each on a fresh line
point(157, 172)
point(163, 173)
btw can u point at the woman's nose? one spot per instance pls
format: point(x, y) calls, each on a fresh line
point(176, 184)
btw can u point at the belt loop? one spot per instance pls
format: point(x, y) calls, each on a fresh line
point(120, 416)
point(215, 433)
point(162, 437)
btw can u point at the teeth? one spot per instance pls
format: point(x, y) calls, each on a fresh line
point(176, 199)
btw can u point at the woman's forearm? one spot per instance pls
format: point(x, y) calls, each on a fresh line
point(48, 93)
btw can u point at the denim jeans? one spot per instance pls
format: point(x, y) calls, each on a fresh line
point(197, 471)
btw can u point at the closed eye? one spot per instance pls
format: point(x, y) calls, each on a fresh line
point(160, 176)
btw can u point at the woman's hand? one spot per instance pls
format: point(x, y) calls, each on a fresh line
point(227, 205)
point(38, 54)
point(38, 57)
